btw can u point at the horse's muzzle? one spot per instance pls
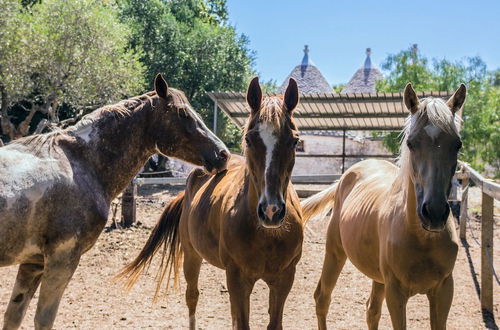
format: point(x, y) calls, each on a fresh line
point(271, 215)
point(218, 162)
point(434, 217)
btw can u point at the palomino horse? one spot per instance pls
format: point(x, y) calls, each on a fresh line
point(247, 220)
point(56, 188)
point(393, 222)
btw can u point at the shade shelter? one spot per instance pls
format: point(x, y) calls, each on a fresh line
point(332, 111)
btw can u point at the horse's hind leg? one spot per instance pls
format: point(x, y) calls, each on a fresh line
point(278, 292)
point(440, 302)
point(57, 273)
point(332, 266)
point(191, 266)
point(27, 281)
point(374, 305)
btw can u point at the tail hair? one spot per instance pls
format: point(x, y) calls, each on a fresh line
point(319, 203)
point(166, 235)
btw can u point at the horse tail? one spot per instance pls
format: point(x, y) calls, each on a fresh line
point(166, 234)
point(319, 203)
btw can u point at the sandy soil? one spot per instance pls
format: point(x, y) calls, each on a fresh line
point(94, 301)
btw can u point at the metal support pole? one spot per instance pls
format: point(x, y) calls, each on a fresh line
point(215, 117)
point(343, 153)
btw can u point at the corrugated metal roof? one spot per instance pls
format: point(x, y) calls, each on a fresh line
point(372, 111)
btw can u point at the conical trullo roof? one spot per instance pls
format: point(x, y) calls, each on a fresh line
point(365, 78)
point(308, 77)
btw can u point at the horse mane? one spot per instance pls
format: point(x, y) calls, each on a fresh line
point(432, 110)
point(37, 142)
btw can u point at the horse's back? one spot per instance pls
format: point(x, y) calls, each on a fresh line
point(23, 172)
point(25, 180)
point(362, 193)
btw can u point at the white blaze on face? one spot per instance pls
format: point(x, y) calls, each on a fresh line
point(266, 132)
point(432, 131)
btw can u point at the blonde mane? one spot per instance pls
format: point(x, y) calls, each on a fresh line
point(434, 111)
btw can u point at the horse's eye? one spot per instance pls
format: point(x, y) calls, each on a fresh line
point(247, 141)
point(183, 113)
point(410, 145)
point(459, 145)
point(294, 142)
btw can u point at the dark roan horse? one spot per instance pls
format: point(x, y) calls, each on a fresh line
point(56, 188)
point(246, 220)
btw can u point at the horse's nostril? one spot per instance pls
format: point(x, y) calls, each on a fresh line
point(223, 155)
point(425, 210)
point(260, 211)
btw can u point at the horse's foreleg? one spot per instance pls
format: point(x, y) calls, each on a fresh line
point(396, 298)
point(332, 266)
point(58, 270)
point(27, 281)
point(191, 266)
point(239, 287)
point(278, 292)
point(440, 299)
point(374, 305)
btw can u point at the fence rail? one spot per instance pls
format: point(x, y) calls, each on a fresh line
point(490, 192)
point(296, 179)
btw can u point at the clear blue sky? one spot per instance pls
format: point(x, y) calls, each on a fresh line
point(338, 32)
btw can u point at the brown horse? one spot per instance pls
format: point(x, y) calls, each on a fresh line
point(393, 223)
point(247, 220)
point(56, 188)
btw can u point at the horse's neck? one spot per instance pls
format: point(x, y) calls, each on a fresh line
point(121, 148)
point(411, 217)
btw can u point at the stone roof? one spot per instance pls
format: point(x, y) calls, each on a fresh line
point(308, 77)
point(364, 79)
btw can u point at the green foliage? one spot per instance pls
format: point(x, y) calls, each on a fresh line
point(191, 43)
point(86, 62)
point(269, 87)
point(63, 54)
point(338, 88)
point(481, 113)
point(13, 66)
point(408, 65)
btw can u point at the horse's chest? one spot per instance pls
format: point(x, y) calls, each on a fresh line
point(266, 255)
point(422, 272)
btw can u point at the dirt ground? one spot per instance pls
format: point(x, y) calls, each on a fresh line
point(93, 300)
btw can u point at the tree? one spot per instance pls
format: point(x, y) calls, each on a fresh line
point(73, 56)
point(191, 42)
point(14, 80)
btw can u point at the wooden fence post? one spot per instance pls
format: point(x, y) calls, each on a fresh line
point(464, 206)
point(487, 253)
point(128, 205)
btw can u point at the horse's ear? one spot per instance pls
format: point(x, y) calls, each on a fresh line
point(457, 100)
point(254, 95)
point(291, 95)
point(410, 98)
point(161, 86)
